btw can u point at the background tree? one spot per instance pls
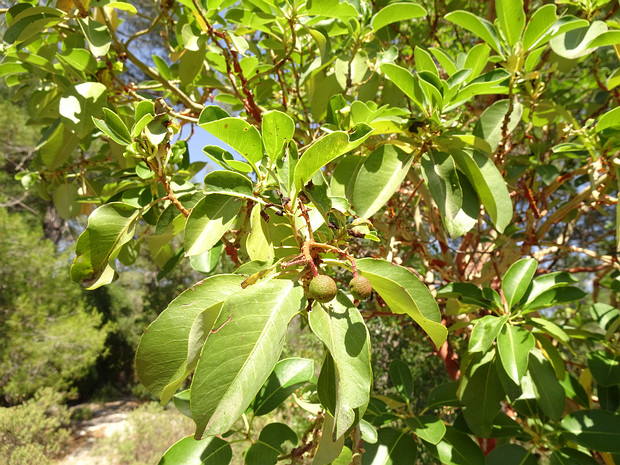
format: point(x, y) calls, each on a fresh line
point(455, 153)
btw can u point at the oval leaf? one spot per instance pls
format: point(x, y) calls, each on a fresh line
point(208, 221)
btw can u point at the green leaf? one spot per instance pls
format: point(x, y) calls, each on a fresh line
point(427, 427)
point(511, 19)
point(378, 177)
point(208, 222)
point(394, 12)
point(113, 127)
point(400, 375)
point(551, 329)
point(30, 22)
point(189, 451)
point(574, 44)
point(403, 292)
point(162, 358)
point(342, 10)
point(442, 180)
point(341, 328)
point(540, 22)
point(511, 454)
point(481, 392)
point(549, 392)
point(485, 332)
point(444, 395)
point(554, 296)
point(490, 125)
point(80, 103)
point(610, 119)
point(606, 39)
point(236, 132)
point(456, 448)
point(97, 36)
point(595, 429)
point(329, 449)
point(228, 183)
point(394, 447)
point(489, 184)
point(268, 447)
point(467, 216)
point(239, 355)
point(287, 376)
point(327, 149)
point(278, 129)
point(207, 261)
point(604, 314)
point(569, 456)
point(405, 81)
point(547, 282)
point(513, 346)
point(605, 367)
point(478, 26)
point(477, 58)
point(258, 243)
point(517, 279)
point(65, 200)
point(109, 227)
point(424, 61)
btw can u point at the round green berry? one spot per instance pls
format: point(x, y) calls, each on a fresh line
point(323, 288)
point(360, 288)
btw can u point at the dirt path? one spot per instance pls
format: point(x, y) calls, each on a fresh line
point(107, 419)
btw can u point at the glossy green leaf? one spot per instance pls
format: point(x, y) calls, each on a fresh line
point(511, 454)
point(489, 184)
point(400, 375)
point(287, 376)
point(97, 36)
point(467, 216)
point(208, 221)
point(162, 355)
point(378, 177)
point(606, 39)
point(394, 12)
point(341, 10)
point(554, 296)
point(239, 355)
point(574, 44)
point(517, 279)
point(456, 448)
point(80, 103)
point(394, 447)
point(113, 127)
point(237, 133)
point(229, 183)
point(259, 244)
point(30, 22)
point(405, 81)
point(476, 60)
point(109, 228)
point(595, 429)
point(207, 262)
point(493, 82)
point(444, 395)
point(604, 314)
point(427, 427)
point(513, 346)
point(477, 25)
point(547, 282)
point(329, 449)
point(486, 330)
point(403, 292)
point(549, 392)
point(327, 149)
point(490, 125)
point(567, 456)
point(189, 451)
point(609, 120)
point(341, 328)
point(511, 19)
point(268, 447)
point(278, 129)
point(442, 180)
point(605, 367)
point(539, 23)
point(481, 392)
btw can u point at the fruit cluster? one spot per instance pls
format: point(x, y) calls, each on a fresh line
point(323, 288)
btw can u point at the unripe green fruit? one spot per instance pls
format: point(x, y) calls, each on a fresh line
point(323, 288)
point(360, 288)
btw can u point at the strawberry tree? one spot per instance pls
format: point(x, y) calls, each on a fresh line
point(456, 161)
